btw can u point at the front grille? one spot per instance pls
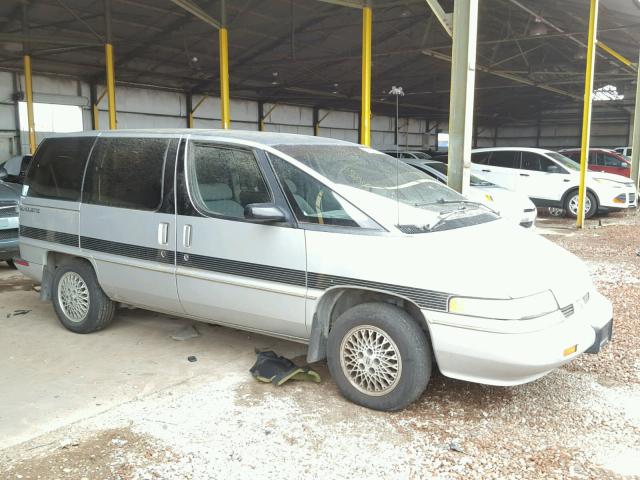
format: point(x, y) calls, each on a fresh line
point(568, 310)
point(9, 234)
point(526, 224)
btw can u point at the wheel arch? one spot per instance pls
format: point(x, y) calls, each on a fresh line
point(53, 260)
point(339, 299)
point(575, 189)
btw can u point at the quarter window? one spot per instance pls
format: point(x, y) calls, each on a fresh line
point(57, 168)
point(480, 157)
point(126, 172)
point(225, 180)
point(314, 202)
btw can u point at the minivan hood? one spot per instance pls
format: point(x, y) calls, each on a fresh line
point(9, 191)
point(499, 260)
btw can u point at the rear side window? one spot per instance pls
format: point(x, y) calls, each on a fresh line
point(57, 168)
point(505, 159)
point(479, 157)
point(126, 173)
point(537, 163)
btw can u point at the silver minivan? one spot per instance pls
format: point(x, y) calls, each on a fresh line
point(379, 268)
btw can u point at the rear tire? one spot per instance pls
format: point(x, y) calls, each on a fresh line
point(571, 204)
point(379, 356)
point(79, 301)
point(11, 264)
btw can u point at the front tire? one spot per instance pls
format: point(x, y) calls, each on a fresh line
point(11, 264)
point(571, 204)
point(379, 356)
point(79, 301)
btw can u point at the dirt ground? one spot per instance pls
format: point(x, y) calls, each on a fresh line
point(130, 406)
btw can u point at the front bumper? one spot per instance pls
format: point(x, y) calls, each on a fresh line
point(618, 198)
point(495, 358)
point(9, 246)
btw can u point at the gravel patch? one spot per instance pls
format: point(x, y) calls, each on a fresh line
point(581, 421)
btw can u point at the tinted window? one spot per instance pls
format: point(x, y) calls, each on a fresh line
point(58, 167)
point(535, 162)
point(478, 157)
point(608, 160)
point(126, 173)
point(313, 202)
point(504, 158)
point(225, 180)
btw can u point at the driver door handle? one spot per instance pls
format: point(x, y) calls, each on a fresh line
point(486, 170)
point(186, 236)
point(524, 174)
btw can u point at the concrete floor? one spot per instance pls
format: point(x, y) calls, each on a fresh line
point(53, 377)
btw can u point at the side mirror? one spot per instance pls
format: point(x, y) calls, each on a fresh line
point(264, 213)
point(553, 169)
point(3, 173)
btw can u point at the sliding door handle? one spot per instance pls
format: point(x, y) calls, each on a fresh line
point(163, 233)
point(186, 236)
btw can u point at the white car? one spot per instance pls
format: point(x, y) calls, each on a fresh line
point(377, 267)
point(516, 207)
point(551, 180)
point(624, 151)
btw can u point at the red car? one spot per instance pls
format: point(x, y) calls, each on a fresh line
point(602, 160)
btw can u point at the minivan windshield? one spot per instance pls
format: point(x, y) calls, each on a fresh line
point(564, 161)
point(389, 188)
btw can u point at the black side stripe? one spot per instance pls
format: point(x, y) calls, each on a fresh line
point(428, 299)
point(62, 238)
point(128, 250)
point(244, 269)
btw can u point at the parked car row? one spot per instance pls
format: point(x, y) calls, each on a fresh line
point(11, 176)
point(369, 260)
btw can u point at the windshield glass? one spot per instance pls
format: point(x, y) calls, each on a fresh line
point(474, 182)
point(387, 187)
point(564, 161)
point(421, 155)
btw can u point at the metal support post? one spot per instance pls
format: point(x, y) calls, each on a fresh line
point(224, 68)
point(586, 114)
point(365, 120)
point(463, 67)
point(28, 80)
point(111, 81)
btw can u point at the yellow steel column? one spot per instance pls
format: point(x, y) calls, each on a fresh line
point(224, 77)
point(111, 81)
point(28, 86)
point(365, 134)
point(111, 86)
point(586, 114)
point(28, 83)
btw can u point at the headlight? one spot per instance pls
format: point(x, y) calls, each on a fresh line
point(508, 309)
point(611, 183)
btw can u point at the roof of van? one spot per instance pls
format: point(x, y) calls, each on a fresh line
point(265, 138)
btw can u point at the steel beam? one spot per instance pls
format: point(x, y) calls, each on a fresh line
point(463, 67)
point(586, 115)
point(443, 18)
point(635, 151)
point(365, 108)
point(196, 11)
